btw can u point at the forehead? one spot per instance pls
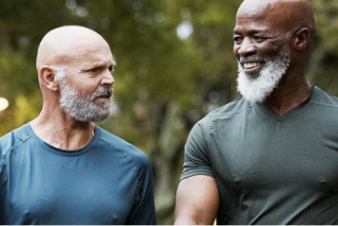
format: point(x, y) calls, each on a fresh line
point(252, 9)
point(83, 56)
point(256, 26)
point(259, 15)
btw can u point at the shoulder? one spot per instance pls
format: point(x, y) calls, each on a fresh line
point(324, 99)
point(231, 109)
point(219, 118)
point(13, 139)
point(129, 151)
point(226, 112)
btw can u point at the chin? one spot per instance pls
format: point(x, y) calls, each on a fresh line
point(253, 75)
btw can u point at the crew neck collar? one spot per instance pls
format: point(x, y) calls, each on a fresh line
point(58, 151)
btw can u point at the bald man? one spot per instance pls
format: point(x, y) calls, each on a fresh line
point(61, 168)
point(270, 157)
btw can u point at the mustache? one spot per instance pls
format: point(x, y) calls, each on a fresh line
point(103, 91)
point(251, 58)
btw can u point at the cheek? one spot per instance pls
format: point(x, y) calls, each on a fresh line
point(235, 49)
point(270, 52)
point(85, 86)
point(86, 91)
point(271, 48)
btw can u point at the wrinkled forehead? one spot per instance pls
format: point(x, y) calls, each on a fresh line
point(274, 13)
point(253, 9)
point(72, 45)
point(260, 9)
point(84, 52)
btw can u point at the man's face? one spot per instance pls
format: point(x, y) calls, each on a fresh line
point(86, 88)
point(261, 48)
point(83, 108)
point(258, 88)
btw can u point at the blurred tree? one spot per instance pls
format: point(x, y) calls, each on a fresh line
point(164, 83)
point(322, 68)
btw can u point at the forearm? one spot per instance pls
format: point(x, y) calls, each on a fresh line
point(189, 222)
point(185, 222)
point(197, 201)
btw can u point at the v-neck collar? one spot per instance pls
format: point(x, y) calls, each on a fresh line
point(293, 112)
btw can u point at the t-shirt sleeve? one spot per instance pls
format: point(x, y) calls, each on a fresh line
point(196, 158)
point(143, 212)
point(4, 146)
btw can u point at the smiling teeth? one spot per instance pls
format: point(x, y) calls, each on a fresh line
point(251, 65)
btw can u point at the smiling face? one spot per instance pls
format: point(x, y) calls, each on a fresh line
point(257, 89)
point(259, 35)
point(261, 46)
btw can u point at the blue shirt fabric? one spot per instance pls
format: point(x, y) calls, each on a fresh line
point(108, 181)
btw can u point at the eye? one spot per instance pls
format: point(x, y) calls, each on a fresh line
point(94, 70)
point(237, 39)
point(111, 69)
point(259, 38)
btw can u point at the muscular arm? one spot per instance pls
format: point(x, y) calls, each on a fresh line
point(197, 201)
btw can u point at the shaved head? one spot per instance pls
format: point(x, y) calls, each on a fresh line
point(65, 44)
point(271, 43)
point(291, 15)
point(74, 66)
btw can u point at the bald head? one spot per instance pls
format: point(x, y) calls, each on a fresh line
point(65, 44)
point(290, 15)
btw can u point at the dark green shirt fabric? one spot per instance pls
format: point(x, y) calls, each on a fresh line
point(107, 182)
point(270, 169)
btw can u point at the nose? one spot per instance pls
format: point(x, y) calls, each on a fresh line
point(108, 79)
point(246, 48)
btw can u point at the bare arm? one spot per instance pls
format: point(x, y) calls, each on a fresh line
point(197, 201)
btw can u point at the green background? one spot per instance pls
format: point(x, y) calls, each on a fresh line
point(164, 84)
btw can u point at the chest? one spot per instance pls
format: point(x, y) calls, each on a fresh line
point(68, 190)
point(268, 153)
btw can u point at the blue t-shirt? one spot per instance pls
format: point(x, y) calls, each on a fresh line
point(108, 181)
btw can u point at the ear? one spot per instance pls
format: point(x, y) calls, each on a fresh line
point(301, 39)
point(47, 77)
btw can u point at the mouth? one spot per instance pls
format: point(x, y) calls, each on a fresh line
point(103, 97)
point(252, 67)
point(102, 94)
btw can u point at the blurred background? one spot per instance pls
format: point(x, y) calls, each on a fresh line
point(174, 65)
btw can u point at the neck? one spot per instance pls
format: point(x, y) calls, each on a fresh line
point(289, 95)
point(62, 131)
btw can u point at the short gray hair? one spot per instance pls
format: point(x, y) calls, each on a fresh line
point(59, 72)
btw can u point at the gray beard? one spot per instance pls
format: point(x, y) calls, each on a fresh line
point(257, 89)
point(84, 109)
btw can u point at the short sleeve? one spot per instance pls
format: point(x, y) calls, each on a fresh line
point(196, 158)
point(5, 144)
point(143, 212)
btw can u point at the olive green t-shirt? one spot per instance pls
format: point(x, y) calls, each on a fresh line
point(270, 169)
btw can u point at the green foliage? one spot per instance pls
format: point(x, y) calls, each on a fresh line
point(322, 67)
point(163, 84)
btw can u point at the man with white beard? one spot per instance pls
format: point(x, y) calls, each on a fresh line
point(270, 157)
point(258, 88)
point(61, 168)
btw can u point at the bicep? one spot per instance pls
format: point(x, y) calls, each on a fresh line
point(197, 201)
point(196, 154)
point(143, 212)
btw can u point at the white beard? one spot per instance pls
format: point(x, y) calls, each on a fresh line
point(80, 108)
point(257, 89)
